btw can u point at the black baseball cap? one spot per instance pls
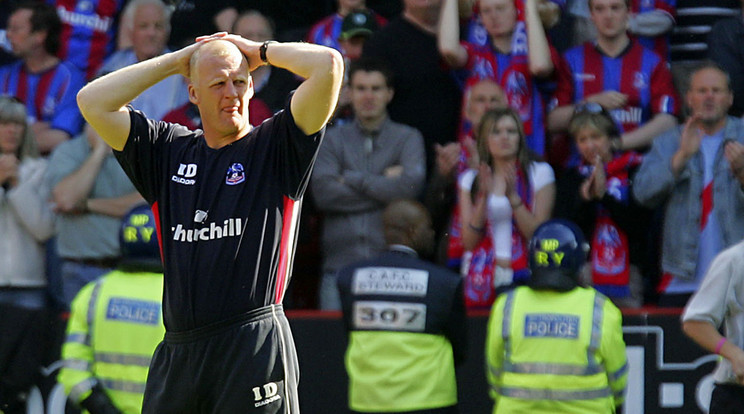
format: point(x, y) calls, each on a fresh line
point(358, 23)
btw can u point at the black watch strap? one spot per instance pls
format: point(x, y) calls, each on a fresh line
point(262, 50)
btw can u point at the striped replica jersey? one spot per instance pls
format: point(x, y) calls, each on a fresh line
point(49, 95)
point(637, 72)
point(88, 31)
point(227, 218)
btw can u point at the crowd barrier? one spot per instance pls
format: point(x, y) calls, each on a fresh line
point(668, 373)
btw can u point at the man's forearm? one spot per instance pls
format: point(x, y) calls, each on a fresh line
point(114, 207)
point(111, 92)
point(645, 134)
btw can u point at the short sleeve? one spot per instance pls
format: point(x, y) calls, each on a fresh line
point(541, 175)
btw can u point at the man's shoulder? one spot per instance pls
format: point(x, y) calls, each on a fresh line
point(398, 128)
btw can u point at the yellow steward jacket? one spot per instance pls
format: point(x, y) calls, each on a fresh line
point(555, 352)
point(115, 324)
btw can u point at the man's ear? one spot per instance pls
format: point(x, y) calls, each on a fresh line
point(249, 94)
point(192, 94)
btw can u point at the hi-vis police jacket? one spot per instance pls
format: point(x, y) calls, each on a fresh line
point(555, 352)
point(407, 330)
point(115, 324)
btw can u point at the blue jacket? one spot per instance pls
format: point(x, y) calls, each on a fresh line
point(655, 184)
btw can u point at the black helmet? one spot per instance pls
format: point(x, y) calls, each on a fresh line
point(140, 250)
point(557, 252)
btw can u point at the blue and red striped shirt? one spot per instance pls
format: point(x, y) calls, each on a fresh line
point(49, 95)
point(88, 31)
point(637, 72)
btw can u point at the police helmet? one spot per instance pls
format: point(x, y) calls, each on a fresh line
point(140, 250)
point(557, 252)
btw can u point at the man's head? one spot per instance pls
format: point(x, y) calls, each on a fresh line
point(482, 95)
point(34, 26)
point(138, 240)
point(370, 88)
point(499, 17)
point(148, 25)
point(221, 86)
point(253, 25)
point(709, 95)
point(407, 222)
point(610, 17)
point(356, 28)
point(557, 251)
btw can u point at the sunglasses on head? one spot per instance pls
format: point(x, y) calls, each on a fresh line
point(589, 107)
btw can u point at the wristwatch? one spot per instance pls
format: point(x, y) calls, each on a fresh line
point(262, 50)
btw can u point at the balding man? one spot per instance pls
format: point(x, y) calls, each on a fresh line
point(406, 322)
point(227, 200)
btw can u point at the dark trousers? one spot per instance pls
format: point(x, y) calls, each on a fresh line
point(727, 399)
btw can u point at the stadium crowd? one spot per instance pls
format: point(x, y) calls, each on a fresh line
point(623, 116)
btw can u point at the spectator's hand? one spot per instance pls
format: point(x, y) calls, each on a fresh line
point(734, 153)
point(609, 99)
point(9, 169)
point(485, 179)
point(393, 171)
point(510, 181)
point(447, 157)
point(585, 191)
point(599, 187)
point(689, 142)
point(97, 144)
point(471, 149)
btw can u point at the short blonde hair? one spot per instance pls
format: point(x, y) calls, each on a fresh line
point(13, 111)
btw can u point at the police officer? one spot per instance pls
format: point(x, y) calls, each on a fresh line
point(115, 325)
point(406, 322)
point(553, 346)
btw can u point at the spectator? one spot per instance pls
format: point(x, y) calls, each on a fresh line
point(148, 23)
point(596, 194)
point(361, 167)
point(272, 84)
point(426, 95)
point(26, 221)
point(688, 41)
point(328, 31)
point(404, 364)
point(651, 21)
point(518, 55)
point(555, 346)
point(716, 303)
point(88, 33)
point(91, 193)
point(695, 170)
point(356, 28)
point(514, 194)
point(453, 159)
point(630, 81)
point(725, 48)
point(46, 84)
point(115, 325)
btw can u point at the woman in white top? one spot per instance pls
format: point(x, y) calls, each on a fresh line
point(26, 221)
point(509, 195)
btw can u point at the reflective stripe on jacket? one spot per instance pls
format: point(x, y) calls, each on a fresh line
point(115, 324)
point(553, 352)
